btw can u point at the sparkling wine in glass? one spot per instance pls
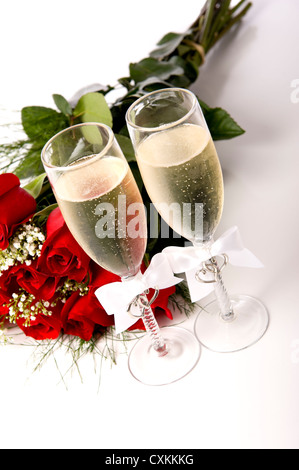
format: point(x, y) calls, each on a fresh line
point(182, 175)
point(95, 189)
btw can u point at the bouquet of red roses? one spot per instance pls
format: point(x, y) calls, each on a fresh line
point(47, 282)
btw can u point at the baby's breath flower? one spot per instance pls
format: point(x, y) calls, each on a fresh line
point(24, 247)
point(69, 287)
point(21, 306)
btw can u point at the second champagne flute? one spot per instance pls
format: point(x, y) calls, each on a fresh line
point(182, 174)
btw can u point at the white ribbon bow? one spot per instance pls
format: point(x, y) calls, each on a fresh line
point(117, 296)
point(189, 259)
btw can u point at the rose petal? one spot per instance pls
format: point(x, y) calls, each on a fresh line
point(43, 327)
point(75, 318)
point(3, 237)
point(55, 221)
point(8, 181)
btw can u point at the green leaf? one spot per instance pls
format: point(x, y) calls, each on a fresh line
point(222, 126)
point(126, 146)
point(151, 67)
point(41, 217)
point(35, 186)
point(168, 44)
point(151, 83)
point(92, 107)
point(181, 81)
point(62, 104)
point(40, 123)
point(31, 165)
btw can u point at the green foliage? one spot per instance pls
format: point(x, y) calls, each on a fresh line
point(174, 62)
point(35, 186)
point(151, 67)
point(41, 217)
point(40, 123)
point(168, 44)
point(126, 146)
point(92, 107)
point(222, 126)
point(63, 105)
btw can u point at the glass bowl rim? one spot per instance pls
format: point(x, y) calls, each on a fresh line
point(167, 125)
point(68, 129)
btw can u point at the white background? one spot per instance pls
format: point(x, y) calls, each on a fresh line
point(247, 399)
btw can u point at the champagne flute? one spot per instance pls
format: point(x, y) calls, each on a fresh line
point(90, 176)
point(182, 174)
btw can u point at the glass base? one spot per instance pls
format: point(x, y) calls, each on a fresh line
point(183, 352)
point(248, 324)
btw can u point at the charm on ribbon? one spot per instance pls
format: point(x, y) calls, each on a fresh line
point(211, 266)
point(138, 304)
point(197, 261)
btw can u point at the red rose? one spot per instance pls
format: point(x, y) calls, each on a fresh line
point(44, 326)
point(76, 316)
point(29, 278)
point(99, 276)
point(16, 207)
point(81, 315)
point(61, 255)
point(4, 300)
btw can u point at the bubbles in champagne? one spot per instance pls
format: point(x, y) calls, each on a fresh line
point(94, 200)
point(180, 166)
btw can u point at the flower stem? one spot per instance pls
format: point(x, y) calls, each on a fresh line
point(215, 20)
point(229, 25)
point(207, 23)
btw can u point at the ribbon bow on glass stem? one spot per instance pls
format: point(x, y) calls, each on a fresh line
point(201, 275)
point(121, 298)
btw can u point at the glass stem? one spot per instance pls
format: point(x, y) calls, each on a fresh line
point(226, 309)
point(152, 327)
